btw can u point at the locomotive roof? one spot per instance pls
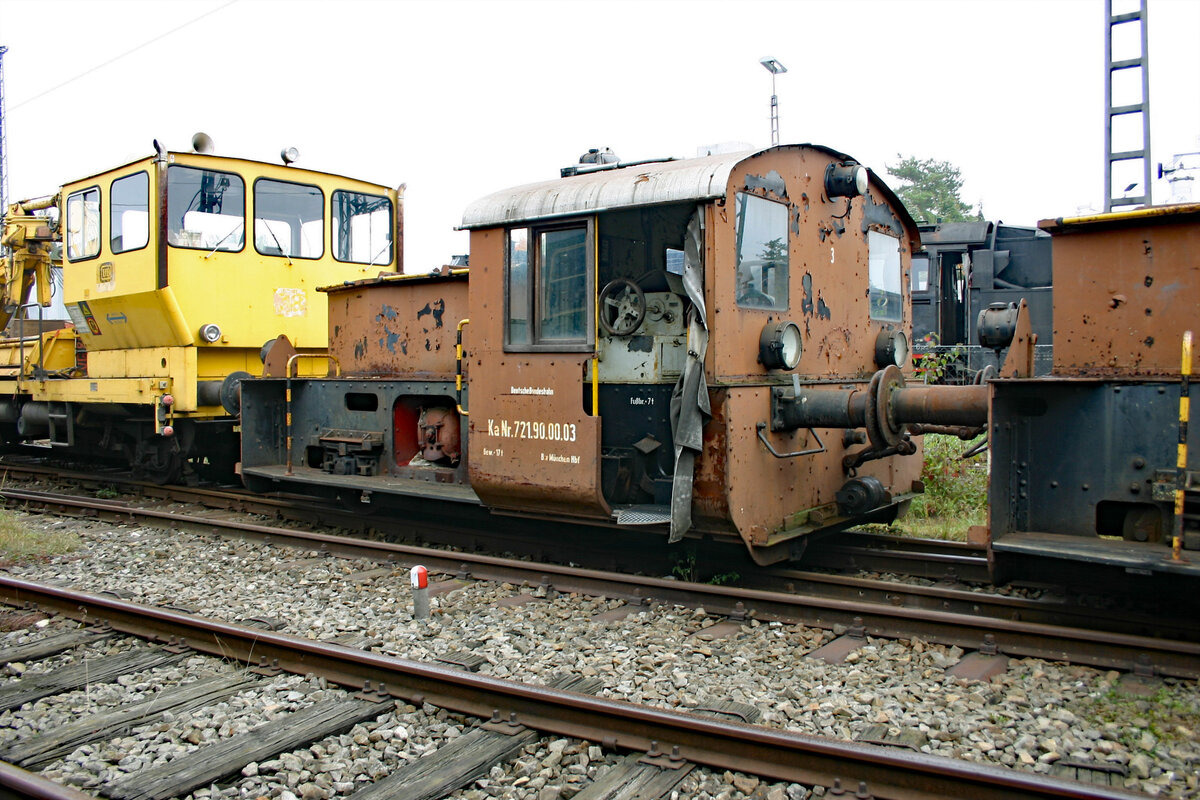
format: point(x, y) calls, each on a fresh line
point(1179, 212)
point(228, 162)
point(627, 186)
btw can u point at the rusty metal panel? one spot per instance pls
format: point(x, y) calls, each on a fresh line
point(1125, 289)
point(401, 325)
point(767, 496)
point(532, 446)
point(828, 263)
point(534, 443)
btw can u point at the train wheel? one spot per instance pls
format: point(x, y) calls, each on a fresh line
point(159, 461)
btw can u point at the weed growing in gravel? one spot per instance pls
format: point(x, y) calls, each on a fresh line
point(21, 542)
point(107, 493)
point(686, 569)
point(1146, 723)
point(955, 495)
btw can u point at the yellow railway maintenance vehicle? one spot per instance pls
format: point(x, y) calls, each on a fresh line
point(175, 269)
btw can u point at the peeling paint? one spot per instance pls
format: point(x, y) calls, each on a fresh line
point(437, 309)
point(773, 182)
point(386, 312)
point(641, 344)
point(806, 305)
point(880, 214)
point(823, 310)
point(291, 302)
point(389, 340)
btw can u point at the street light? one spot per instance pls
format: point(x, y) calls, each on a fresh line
point(775, 68)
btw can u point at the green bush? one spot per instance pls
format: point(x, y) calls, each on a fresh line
point(955, 495)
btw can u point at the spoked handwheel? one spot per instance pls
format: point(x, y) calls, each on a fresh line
point(622, 307)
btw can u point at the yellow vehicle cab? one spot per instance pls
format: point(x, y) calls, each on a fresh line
point(177, 272)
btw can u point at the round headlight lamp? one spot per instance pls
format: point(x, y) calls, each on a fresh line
point(846, 179)
point(210, 333)
point(780, 345)
point(891, 347)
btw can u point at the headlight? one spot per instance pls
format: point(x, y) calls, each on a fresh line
point(780, 345)
point(891, 347)
point(846, 179)
point(210, 333)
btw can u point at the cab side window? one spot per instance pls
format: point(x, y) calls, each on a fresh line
point(289, 219)
point(762, 253)
point(362, 228)
point(129, 213)
point(547, 286)
point(83, 224)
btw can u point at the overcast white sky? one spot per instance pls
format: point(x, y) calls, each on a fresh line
point(460, 99)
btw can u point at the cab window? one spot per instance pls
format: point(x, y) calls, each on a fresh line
point(762, 253)
point(362, 228)
point(517, 287)
point(129, 213)
point(547, 281)
point(883, 254)
point(920, 273)
point(83, 224)
point(289, 219)
point(206, 209)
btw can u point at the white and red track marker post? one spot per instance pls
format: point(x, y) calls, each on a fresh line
point(419, 576)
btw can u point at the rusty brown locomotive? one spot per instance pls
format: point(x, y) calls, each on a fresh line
point(707, 347)
point(640, 339)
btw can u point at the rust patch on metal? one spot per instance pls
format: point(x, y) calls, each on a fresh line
point(398, 327)
point(835, 344)
point(1125, 320)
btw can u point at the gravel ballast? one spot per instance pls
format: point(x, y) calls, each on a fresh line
point(1031, 717)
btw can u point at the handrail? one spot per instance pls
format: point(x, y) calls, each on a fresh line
point(458, 374)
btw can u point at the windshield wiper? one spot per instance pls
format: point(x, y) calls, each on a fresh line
point(234, 230)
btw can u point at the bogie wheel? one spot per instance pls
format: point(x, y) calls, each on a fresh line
point(159, 461)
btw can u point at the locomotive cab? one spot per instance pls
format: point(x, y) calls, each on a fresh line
point(637, 330)
point(175, 270)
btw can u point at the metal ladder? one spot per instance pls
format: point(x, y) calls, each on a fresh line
point(1142, 62)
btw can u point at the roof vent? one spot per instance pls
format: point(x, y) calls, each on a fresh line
point(595, 156)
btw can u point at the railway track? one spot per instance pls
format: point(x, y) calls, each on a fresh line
point(662, 743)
point(993, 627)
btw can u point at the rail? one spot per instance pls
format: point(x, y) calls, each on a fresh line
point(889, 773)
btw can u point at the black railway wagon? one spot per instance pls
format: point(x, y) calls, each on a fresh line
point(964, 267)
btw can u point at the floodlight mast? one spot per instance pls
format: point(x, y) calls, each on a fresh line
point(774, 67)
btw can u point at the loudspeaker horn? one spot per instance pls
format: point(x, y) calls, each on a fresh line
point(203, 143)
